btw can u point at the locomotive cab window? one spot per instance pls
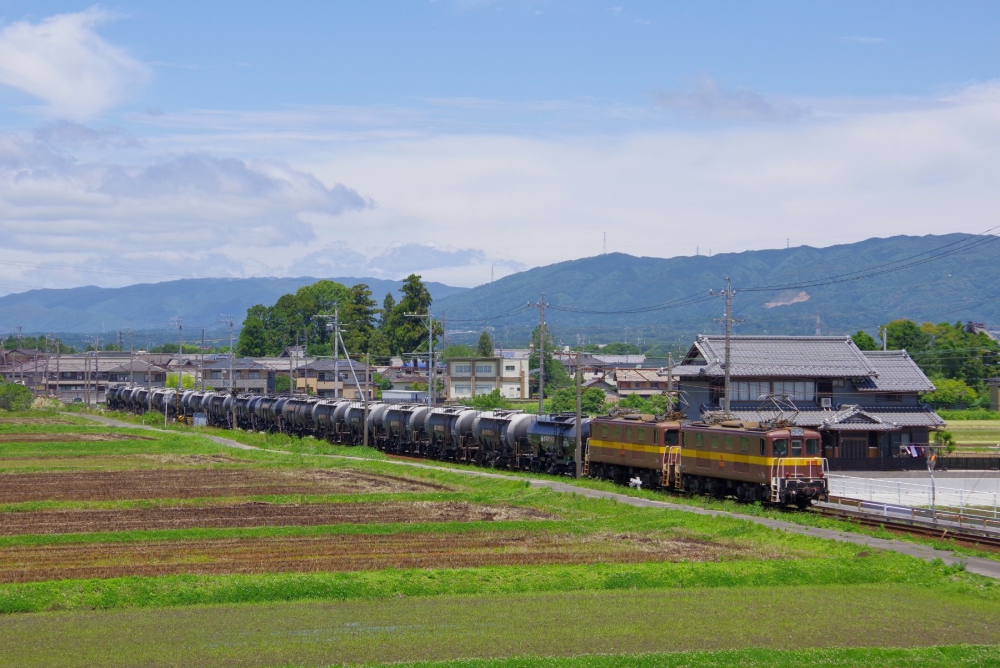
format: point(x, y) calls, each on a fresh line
point(604, 430)
point(796, 448)
point(744, 444)
point(812, 446)
point(729, 442)
point(699, 440)
point(780, 446)
point(656, 437)
point(670, 438)
point(763, 446)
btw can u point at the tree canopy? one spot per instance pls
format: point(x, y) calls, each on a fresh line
point(365, 328)
point(864, 340)
point(485, 346)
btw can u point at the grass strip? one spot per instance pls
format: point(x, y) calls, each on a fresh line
point(492, 626)
point(957, 656)
point(185, 590)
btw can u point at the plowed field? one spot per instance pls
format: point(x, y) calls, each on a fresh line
point(195, 483)
point(341, 553)
point(256, 514)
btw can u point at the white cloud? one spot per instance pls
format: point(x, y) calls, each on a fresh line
point(65, 63)
point(710, 100)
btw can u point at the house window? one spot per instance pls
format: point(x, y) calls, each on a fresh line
point(484, 368)
point(462, 389)
point(751, 391)
point(255, 375)
point(796, 390)
point(838, 382)
point(896, 398)
point(216, 374)
point(510, 367)
point(463, 368)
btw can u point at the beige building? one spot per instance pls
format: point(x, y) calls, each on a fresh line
point(468, 376)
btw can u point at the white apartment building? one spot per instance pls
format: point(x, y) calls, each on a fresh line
point(468, 376)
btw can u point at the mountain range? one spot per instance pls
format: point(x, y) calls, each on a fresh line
point(610, 297)
point(782, 291)
point(199, 302)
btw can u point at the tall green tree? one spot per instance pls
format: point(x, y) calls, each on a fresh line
point(253, 341)
point(359, 319)
point(864, 340)
point(407, 334)
point(485, 346)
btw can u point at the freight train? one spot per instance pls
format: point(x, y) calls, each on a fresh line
point(767, 462)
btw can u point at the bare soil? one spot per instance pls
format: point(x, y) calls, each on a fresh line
point(343, 553)
point(257, 514)
point(43, 437)
point(196, 483)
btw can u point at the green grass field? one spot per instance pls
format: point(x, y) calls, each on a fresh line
point(580, 582)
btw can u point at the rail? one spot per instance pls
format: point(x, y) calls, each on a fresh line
point(917, 500)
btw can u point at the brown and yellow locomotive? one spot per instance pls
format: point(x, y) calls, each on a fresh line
point(746, 460)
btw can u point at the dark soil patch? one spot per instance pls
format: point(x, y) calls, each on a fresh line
point(340, 553)
point(257, 514)
point(196, 483)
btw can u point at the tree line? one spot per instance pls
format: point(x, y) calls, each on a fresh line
point(957, 361)
point(305, 318)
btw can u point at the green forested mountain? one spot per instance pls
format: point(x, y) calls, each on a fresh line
point(961, 286)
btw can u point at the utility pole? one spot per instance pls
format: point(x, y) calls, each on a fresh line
point(228, 320)
point(20, 346)
point(368, 390)
point(670, 380)
point(579, 415)
point(176, 322)
point(430, 354)
point(131, 357)
point(540, 305)
point(334, 329)
point(884, 331)
point(728, 295)
point(201, 364)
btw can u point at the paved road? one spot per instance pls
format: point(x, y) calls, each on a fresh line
point(978, 565)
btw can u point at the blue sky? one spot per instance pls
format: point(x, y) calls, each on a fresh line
point(144, 141)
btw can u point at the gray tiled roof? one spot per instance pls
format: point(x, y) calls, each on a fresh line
point(777, 356)
point(897, 372)
point(852, 418)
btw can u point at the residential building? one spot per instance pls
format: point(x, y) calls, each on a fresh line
point(644, 382)
point(85, 377)
point(323, 379)
point(249, 376)
point(864, 403)
point(468, 376)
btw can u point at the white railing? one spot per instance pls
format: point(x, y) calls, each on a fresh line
point(916, 500)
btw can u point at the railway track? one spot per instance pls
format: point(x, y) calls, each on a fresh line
point(963, 537)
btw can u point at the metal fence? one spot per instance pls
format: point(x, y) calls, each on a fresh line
point(917, 499)
point(944, 463)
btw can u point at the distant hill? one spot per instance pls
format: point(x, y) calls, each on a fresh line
point(199, 302)
point(963, 286)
